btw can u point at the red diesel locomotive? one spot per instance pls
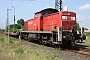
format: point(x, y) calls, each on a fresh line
point(52, 27)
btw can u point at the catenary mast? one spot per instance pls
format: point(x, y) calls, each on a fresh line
point(58, 5)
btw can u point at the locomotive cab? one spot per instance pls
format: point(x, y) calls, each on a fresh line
point(68, 20)
point(69, 28)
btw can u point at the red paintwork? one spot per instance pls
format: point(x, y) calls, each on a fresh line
point(50, 21)
point(32, 24)
point(25, 25)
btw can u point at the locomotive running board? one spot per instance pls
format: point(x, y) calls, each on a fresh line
point(47, 32)
point(56, 43)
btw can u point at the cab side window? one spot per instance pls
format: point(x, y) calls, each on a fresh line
point(64, 17)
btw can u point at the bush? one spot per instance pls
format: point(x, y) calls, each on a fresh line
point(87, 36)
point(19, 50)
point(1, 39)
point(11, 41)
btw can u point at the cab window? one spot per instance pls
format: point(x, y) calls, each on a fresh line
point(68, 18)
point(72, 18)
point(64, 17)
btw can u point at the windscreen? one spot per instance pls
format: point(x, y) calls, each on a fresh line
point(68, 18)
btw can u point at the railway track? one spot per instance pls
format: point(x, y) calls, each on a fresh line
point(77, 50)
point(83, 52)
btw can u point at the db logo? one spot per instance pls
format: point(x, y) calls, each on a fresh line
point(30, 22)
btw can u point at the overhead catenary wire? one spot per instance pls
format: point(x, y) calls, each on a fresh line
point(45, 2)
point(35, 1)
point(19, 4)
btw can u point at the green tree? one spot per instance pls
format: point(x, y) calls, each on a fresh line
point(78, 27)
point(19, 25)
point(11, 27)
point(20, 22)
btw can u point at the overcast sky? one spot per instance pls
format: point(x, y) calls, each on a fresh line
point(25, 9)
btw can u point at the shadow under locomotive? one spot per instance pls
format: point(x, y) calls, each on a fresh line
point(76, 47)
point(65, 47)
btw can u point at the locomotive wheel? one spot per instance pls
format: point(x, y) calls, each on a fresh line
point(29, 39)
point(40, 41)
point(50, 43)
point(73, 41)
point(69, 43)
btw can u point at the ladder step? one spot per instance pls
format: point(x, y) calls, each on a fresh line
point(55, 43)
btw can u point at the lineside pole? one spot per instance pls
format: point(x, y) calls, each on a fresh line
point(20, 38)
point(8, 23)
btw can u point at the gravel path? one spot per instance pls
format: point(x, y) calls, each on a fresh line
point(64, 54)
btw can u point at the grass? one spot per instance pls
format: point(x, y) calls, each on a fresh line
point(9, 48)
point(88, 35)
point(88, 39)
point(13, 50)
